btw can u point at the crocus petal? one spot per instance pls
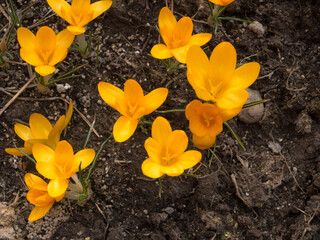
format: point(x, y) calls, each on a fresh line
point(58, 199)
point(192, 108)
point(200, 39)
point(227, 114)
point(167, 19)
point(54, 135)
point(154, 149)
point(64, 155)
point(181, 53)
point(133, 93)
point(24, 132)
point(39, 212)
point(58, 5)
point(64, 38)
point(151, 169)
point(124, 128)
point(189, 159)
point(245, 75)
point(232, 98)
point(223, 62)
point(155, 99)
point(85, 18)
point(85, 157)
point(198, 68)
point(161, 51)
point(40, 126)
point(57, 187)
point(16, 152)
point(45, 40)
point(110, 93)
point(100, 7)
point(69, 114)
point(45, 70)
point(35, 182)
point(177, 142)
point(58, 55)
point(26, 38)
point(42, 153)
point(47, 169)
point(31, 57)
point(172, 170)
point(76, 30)
point(79, 6)
point(182, 32)
point(161, 130)
point(204, 142)
point(197, 126)
point(39, 198)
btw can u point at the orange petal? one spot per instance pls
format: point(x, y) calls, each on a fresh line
point(161, 51)
point(245, 75)
point(31, 57)
point(172, 170)
point(45, 70)
point(39, 198)
point(23, 131)
point(48, 170)
point(40, 126)
point(57, 187)
point(54, 135)
point(222, 63)
point(197, 125)
point(151, 169)
point(167, 19)
point(69, 114)
point(124, 128)
point(100, 7)
point(189, 159)
point(200, 39)
point(133, 93)
point(181, 53)
point(76, 30)
point(222, 2)
point(39, 212)
point(35, 182)
point(16, 152)
point(154, 149)
point(110, 93)
point(58, 55)
point(42, 153)
point(182, 32)
point(64, 157)
point(26, 38)
point(232, 98)
point(155, 99)
point(79, 6)
point(161, 130)
point(192, 108)
point(64, 39)
point(177, 142)
point(227, 114)
point(45, 40)
point(204, 142)
point(59, 5)
point(85, 157)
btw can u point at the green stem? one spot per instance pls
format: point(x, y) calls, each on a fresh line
point(235, 135)
point(235, 19)
point(26, 155)
point(212, 152)
point(83, 45)
point(190, 175)
point(172, 110)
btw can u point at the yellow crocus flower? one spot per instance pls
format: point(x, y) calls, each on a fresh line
point(45, 49)
point(205, 123)
point(177, 37)
point(79, 13)
point(60, 164)
point(167, 151)
point(222, 2)
point(40, 131)
point(218, 80)
point(132, 104)
point(38, 196)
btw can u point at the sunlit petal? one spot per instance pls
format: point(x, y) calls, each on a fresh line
point(39, 198)
point(47, 169)
point(57, 187)
point(79, 6)
point(110, 93)
point(245, 75)
point(200, 39)
point(154, 149)
point(58, 5)
point(69, 114)
point(133, 93)
point(31, 56)
point(39, 212)
point(155, 99)
point(85, 157)
point(167, 19)
point(189, 159)
point(182, 32)
point(35, 182)
point(58, 55)
point(151, 169)
point(181, 53)
point(197, 125)
point(222, 2)
point(42, 153)
point(26, 38)
point(64, 154)
point(172, 170)
point(232, 98)
point(45, 70)
point(204, 142)
point(161, 130)
point(45, 40)
point(76, 30)
point(192, 108)
point(40, 126)
point(177, 142)
point(64, 38)
point(124, 128)
point(54, 135)
point(100, 7)
point(16, 152)
point(161, 51)
point(24, 132)
point(227, 114)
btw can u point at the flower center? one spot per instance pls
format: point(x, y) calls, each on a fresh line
point(168, 159)
point(215, 90)
point(207, 119)
point(45, 56)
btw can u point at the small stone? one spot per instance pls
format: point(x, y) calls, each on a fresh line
point(252, 114)
point(257, 28)
point(275, 147)
point(303, 123)
point(169, 210)
point(61, 88)
point(145, 211)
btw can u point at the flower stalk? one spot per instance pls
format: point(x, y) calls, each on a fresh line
point(83, 45)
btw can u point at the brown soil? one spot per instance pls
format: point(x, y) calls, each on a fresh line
point(270, 191)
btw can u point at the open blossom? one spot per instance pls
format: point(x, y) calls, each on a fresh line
point(218, 80)
point(60, 164)
point(38, 196)
point(132, 104)
point(205, 123)
point(167, 151)
point(45, 49)
point(79, 13)
point(222, 2)
point(40, 131)
point(177, 37)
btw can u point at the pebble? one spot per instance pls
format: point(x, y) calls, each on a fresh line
point(252, 114)
point(275, 147)
point(169, 210)
point(257, 28)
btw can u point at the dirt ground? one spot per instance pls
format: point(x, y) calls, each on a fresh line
point(269, 191)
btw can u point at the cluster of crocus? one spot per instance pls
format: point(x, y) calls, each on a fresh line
point(219, 81)
point(55, 160)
